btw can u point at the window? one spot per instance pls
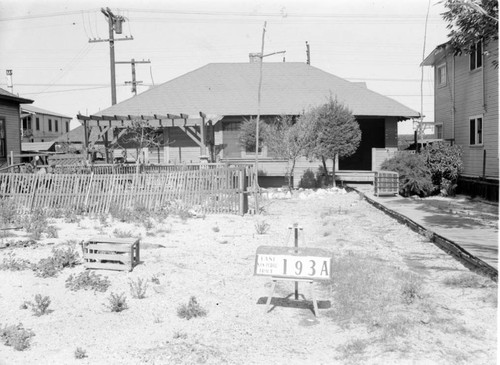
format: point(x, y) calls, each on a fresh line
point(56, 125)
point(37, 124)
point(2, 139)
point(476, 130)
point(438, 131)
point(476, 56)
point(441, 75)
point(67, 127)
point(50, 125)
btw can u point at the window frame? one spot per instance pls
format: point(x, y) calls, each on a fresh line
point(37, 123)
point(441, 82)
point(475, 56)
point(56, 125)
point(476, 130)
point(50, 125)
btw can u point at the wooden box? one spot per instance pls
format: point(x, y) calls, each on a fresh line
point(111, 253)
point(386, 183)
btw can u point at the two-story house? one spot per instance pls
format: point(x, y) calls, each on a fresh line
point(466, 111)
point(40, 125)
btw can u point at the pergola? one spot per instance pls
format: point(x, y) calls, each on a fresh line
point(195, 128)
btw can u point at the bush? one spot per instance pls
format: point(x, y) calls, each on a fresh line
point(8, 212)
point(262, 227)
point(192, 310)
point(80, 353)
point(117, 302)
point(308, 180)
point(35, 223)
point(51, 266)
point(414, 174)
point(16, 336)
point(87, 280)
point(14, 264)
point(138, 288)
point(39, 306)
point(445, 164)
point(411, 287)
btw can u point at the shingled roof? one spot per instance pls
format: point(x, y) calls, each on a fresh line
point(230, 89)
point(4, 94)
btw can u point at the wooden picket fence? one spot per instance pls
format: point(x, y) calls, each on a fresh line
point(221, 190)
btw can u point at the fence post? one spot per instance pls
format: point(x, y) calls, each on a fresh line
point(243, 192)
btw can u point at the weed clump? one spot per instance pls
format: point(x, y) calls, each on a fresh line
point(192, 310)
point(87, 280)
point(60, 259)
point(117, 302)
point(262, 227)
point(138, 288)
point(16, 336)
point(11, 263)
point(411, 287)
point(80, 353)
point(40, 305)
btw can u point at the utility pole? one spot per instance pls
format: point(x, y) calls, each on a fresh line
point(134, 83)
point(115, 26)
point(308, 54)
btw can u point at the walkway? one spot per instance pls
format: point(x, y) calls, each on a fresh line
point(470, 224)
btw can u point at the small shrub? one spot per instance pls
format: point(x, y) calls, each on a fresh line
point(414, 174)
point(16, 336)
point(51, 232)
point(120, 233)
point(148, 223)
point(308, 180)
point(262, 227)
point(40, 306)
point(216, 229)
point(8, 212)
point(179, 335)
point(35, 223)
point(80, 353)
point(411, 287)
point(138, 288)
point(445, 164)
point(191, 310)
point(51, 266)
point(117, 302)
point(155, 279)
point(12, 263)
point(87, 280)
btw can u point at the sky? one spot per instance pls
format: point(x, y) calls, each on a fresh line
point(46, 45)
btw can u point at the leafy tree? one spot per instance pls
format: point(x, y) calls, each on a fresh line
point(333, 132)
point(445, 164)
point(471, 21)
point(285, 138)
point(248, 131)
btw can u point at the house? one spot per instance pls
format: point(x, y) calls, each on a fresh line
point(228, 91)
point(466, 110)
point(10, 126)
point(40, 125)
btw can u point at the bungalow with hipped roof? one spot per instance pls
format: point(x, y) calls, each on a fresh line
point(226, 95)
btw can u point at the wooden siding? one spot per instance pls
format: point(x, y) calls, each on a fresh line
point(10, 112)
point(469, 102)
point(443, 99)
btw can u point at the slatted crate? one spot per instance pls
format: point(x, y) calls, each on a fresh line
point(386, 183)
point(111, 253)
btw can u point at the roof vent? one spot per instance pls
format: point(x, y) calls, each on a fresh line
point(254, 57)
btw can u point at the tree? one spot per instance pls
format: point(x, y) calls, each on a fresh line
point(285, 138)
point(471, 21)
point(139, 134)
point(333, 132)
point(248, 132)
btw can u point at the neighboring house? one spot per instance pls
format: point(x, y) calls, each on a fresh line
point(40, 125)
point(466, 107)
point(229, 90)
point(10, 126)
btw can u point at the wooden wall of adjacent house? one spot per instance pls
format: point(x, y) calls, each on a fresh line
point(476, 94)
point(10, 114)
point(181, 148)
point(443, 98)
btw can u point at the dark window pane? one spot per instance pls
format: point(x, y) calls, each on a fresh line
point(472, 131)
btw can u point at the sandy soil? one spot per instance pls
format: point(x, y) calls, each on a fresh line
point(212, 258)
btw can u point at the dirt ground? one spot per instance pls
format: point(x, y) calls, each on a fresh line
point(363, 317)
